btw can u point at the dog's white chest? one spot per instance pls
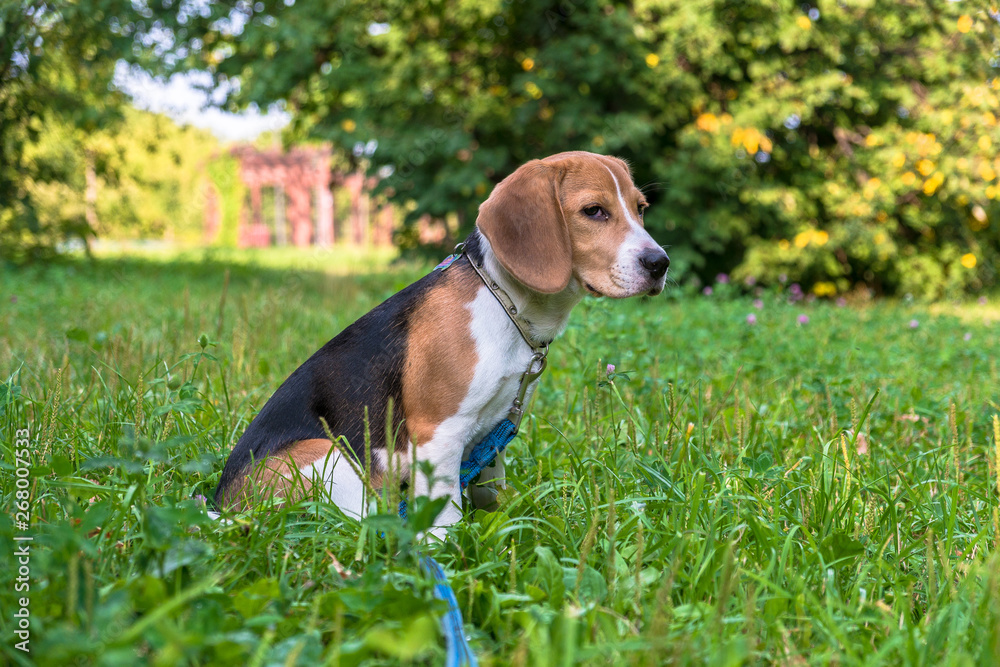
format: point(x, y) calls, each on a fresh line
point(502, 357)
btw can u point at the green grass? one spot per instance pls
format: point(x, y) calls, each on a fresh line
point(340, 260)
point(817, 493)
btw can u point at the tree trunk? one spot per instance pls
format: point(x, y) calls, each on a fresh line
point(90, 193)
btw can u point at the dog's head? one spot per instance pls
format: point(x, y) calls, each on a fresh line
point(574, 215)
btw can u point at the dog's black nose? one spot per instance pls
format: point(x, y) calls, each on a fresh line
point(655, 261)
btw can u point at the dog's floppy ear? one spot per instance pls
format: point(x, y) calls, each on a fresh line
point(524, 223)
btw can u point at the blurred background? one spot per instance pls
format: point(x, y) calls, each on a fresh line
point(842, 145)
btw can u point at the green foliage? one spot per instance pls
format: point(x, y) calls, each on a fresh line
point(449, 92)
point(61, 117)
point(156, 179)
point(794, 491)
point(224, 172)
point(853, 146)
point(148, 176)
point(56, 65)
point(840, 143)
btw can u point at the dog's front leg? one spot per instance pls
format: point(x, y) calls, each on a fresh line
point(445, 461)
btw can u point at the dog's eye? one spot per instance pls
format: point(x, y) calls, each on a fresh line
point(642, 209)
point(596, 212)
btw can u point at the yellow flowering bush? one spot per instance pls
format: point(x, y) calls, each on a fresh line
point(838, 156)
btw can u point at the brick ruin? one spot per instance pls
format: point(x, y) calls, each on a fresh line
point(300, 190)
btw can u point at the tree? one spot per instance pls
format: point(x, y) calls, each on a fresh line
point(56, 65)
point(836, 144)
point(61, 117)
point(142, 178)
point(450, 91)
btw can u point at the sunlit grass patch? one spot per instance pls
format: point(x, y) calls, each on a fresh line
point(337, 260)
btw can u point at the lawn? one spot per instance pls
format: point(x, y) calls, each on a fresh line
point(813, 485)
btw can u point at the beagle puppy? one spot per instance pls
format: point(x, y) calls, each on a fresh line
point(429, 372)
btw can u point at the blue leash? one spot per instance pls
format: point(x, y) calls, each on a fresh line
point(456, 645)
